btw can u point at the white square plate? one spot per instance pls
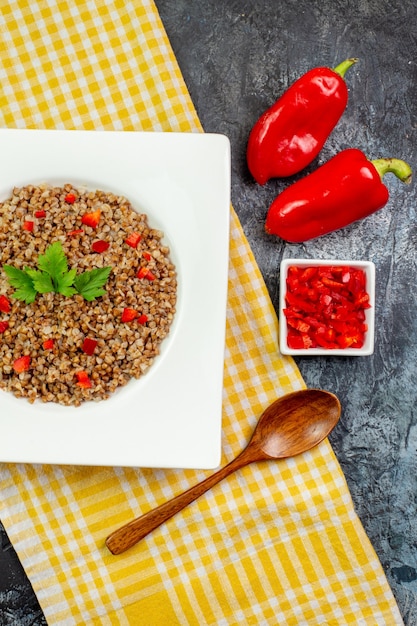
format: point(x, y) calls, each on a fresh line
point(171, 417)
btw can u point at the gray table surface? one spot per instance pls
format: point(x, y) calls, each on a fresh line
point(237, 57)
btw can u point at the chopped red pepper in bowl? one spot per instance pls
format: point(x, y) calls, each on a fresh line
point(327, 307)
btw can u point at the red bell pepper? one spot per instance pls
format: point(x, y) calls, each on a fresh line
point(347, 188)
point(290, 134)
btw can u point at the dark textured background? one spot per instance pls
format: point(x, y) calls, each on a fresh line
point(237, 58)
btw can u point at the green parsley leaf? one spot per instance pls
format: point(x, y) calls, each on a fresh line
point(42, 281)
point(64, 283)
point(54, 261)
point(53, 276)
point(89, 284)
point(22, 283)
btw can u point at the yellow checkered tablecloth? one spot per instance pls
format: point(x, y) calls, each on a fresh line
point(277, 543)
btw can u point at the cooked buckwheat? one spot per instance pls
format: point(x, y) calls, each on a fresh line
point(124, 350)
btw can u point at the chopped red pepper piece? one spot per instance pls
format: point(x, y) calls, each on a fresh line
point(298, 324)
point(133, 239)
point(146, 255)
point(5, 306)
point(325, 307)
point(308, 273)
point(83, 380)
point(129, 314)
point(78, 231)
point(142, 319)
point(91, 219)
point(28, 225)
point(299, 342)
point(48, 344)
point(70, 198)
point(4, 325)
point(299, 304)
point(144, 272)
point(100, 246)
point(89, 345)
point(22, 364)
point(40, 214)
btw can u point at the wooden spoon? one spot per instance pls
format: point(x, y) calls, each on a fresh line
point(292, 424)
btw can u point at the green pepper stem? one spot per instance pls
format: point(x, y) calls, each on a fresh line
point(400, 168)
point(344, 66)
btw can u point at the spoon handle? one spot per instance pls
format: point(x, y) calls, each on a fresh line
point(128, 535)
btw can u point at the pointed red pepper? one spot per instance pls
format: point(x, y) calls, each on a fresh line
point(291, 133)
point(347, 188)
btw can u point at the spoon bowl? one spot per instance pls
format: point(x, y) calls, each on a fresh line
point(290, 426)
point(287, 428)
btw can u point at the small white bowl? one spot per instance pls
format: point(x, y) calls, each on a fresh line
point(368, 347)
